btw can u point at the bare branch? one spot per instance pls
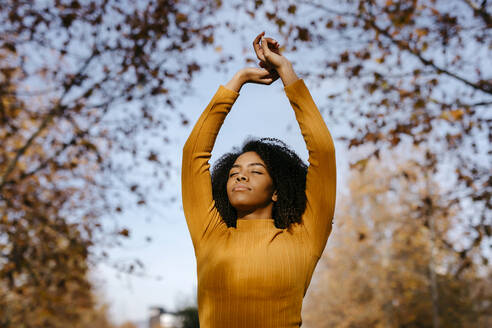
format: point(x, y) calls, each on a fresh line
point(23, 149)
point(484, 87)
point(59, 108)
point(327, 9)
point(479, 104)
point(487, 88)
point(480, 11)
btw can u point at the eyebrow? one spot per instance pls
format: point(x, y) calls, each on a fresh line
point(250, 164)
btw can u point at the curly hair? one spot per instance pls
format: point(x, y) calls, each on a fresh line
point(288, 173)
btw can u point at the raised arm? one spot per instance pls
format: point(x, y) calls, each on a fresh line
point(198, 205)
point(196, 185)
point(321, 176)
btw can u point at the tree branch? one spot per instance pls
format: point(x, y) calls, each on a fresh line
point(484, 87)
point(481, 12)
point(59, 108)
point(478, 104)
point(328, 10)
point(23, 149)
point(60, 150)
point(487, 88)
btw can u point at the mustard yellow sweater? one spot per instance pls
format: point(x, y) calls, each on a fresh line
point(256, 275)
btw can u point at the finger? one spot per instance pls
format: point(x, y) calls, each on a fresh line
point(271, 73)
point(275, 49)
point(267, 53)
point(267, 80)
point(256, 42)
point(267, 73)
point(266, 65)
point(264, 46)
point(274, 75)
point(272, 42)
point(258, 37)
point(272, 45)
point(257, 47)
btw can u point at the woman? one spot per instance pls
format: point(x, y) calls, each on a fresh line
point(260, 227)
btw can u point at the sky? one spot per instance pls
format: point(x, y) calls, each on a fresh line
point(170, 255)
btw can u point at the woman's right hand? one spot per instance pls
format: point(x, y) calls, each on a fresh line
point(251, 75)
point(259, 75)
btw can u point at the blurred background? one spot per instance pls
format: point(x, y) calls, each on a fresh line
point(97, 98)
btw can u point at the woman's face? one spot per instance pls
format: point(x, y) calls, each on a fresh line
point(250, 186)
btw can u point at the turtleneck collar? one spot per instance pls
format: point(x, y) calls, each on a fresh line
point(248, 224)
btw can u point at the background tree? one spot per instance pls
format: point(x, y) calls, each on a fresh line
point(414, 70)
point(190, 317)
point(78, 82)
point(381, 259)
point(99, 317)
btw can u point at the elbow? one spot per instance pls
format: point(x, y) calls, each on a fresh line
point(187, 154)
point(329, 145)
point(325, 155)
point(327, 148)
point(187, 147)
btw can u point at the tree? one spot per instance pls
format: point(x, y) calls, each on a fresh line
point(405, 70)
point(190, 317)
point(378, 268)
point(77, 80)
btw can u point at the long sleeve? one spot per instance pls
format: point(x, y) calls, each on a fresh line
point(198, 204)
point(321, 176)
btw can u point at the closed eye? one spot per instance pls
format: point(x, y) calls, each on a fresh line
point(232, 174)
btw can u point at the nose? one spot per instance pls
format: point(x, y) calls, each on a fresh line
point(240, 177)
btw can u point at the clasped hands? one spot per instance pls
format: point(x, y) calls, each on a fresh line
point(271, 61)
point(273, 65)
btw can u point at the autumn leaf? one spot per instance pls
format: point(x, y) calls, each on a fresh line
point(153, 157)
point(452, 115)
point(292, 9)
point(124, 232)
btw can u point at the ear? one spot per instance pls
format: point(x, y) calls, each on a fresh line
point(274, 196)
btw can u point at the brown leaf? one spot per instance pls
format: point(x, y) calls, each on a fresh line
point(153, 157)
point(124, 232)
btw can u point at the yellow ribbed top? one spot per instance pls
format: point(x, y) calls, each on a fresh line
point(256, 275)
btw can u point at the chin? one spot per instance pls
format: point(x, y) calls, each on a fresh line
point(241, 206)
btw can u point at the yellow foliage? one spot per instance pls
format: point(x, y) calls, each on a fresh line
point(452, 115)
point(422, 31)
point(375, 270)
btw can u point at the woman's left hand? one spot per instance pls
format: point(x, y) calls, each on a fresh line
point(273, 45)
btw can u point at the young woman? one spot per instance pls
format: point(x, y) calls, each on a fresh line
point(260, 223)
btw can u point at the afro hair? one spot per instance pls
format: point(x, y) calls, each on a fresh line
point(288, 173)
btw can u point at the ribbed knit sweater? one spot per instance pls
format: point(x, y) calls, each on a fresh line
point(256, 275)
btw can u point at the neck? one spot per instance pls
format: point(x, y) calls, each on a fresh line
point(256, 213)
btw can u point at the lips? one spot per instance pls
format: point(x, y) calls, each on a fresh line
point(240, 187)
